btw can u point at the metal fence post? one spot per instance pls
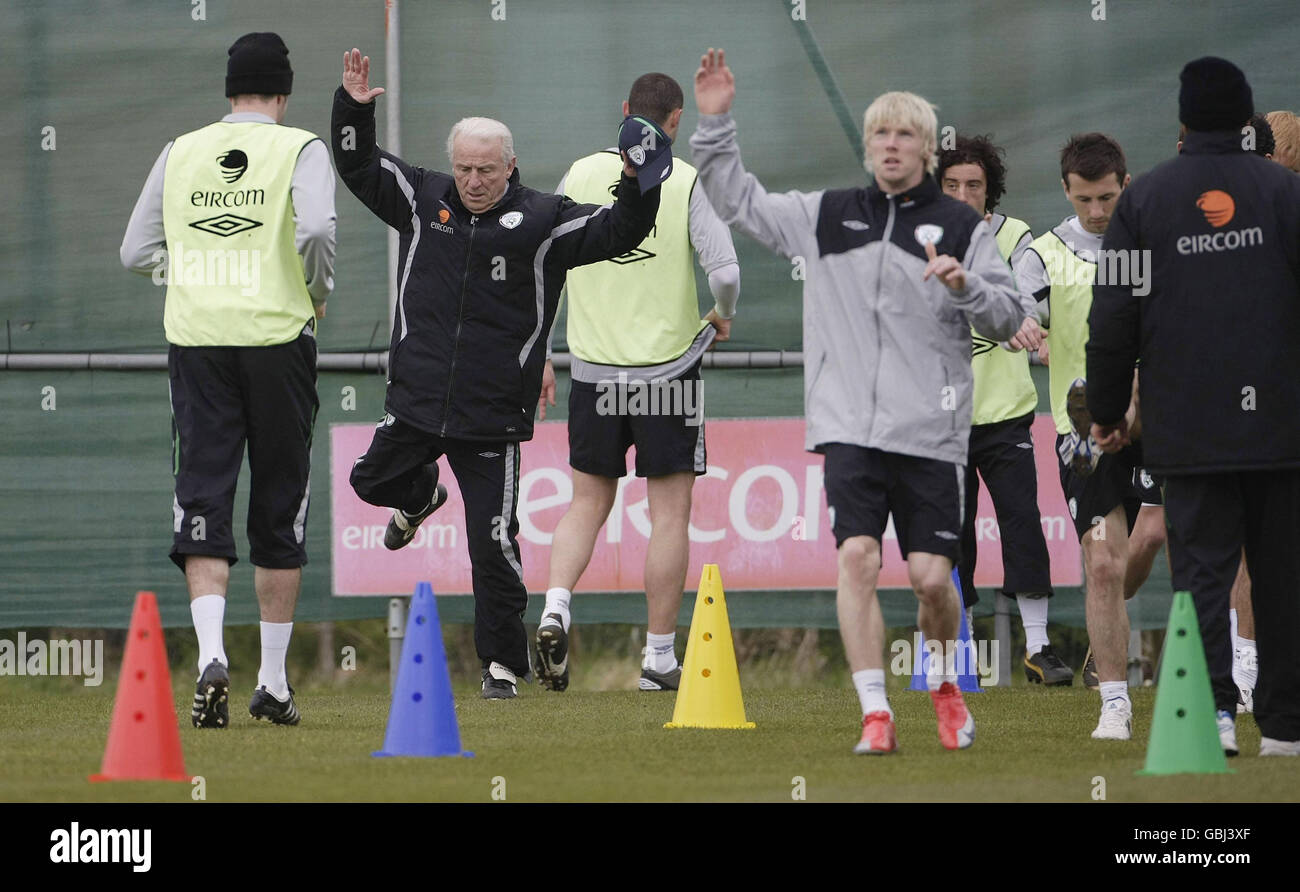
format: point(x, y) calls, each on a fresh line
point(397, 608)
point(1002, 633)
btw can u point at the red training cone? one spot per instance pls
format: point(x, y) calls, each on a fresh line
point(144, 741)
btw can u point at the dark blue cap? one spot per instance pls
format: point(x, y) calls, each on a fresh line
point(649, 150)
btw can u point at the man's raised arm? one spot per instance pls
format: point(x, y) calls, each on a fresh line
point(588, 233)
point(383, 182)
point(784, 223)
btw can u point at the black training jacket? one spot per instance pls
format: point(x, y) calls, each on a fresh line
point(476, 293)
point(1218, 334)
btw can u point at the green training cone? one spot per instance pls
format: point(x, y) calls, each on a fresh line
point(1184, 737)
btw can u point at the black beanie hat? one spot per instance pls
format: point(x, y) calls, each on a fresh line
point(1214, 95)
point(259, 63)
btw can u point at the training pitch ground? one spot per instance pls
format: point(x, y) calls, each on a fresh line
point(1032, 745)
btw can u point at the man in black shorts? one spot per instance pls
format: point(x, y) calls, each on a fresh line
point(1001, 445)
point(242, 360)
point(898, 273)
point(636, 338)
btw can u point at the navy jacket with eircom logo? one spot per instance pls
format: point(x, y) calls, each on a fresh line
point(1217, 322)
point(477, 293)
point(886, 355)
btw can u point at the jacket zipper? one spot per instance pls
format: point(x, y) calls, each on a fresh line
point(875, 312)
point(460, 318)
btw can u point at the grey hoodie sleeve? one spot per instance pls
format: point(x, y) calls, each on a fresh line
point(995, 308)
point(145, 241)
point(785, 223)
point(312, 194)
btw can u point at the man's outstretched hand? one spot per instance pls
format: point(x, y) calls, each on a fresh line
point(715, 88)
point(356, 77)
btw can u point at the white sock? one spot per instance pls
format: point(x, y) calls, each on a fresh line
point(209, 612)
point(943, 669)
point(1243, 674)
point(1115, 690)
point(557, 601)
point(659, 653)
point(1033, 614)
point(275, 644)
point(1232, 627)
point(871, 691)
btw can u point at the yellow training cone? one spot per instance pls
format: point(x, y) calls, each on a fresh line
point(709, 695)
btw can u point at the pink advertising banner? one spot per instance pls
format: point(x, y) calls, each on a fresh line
point(760, 514)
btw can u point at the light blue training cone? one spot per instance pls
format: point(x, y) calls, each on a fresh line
point(422, 718)
point(967, 681)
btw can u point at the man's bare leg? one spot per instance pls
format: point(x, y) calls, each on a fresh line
point(1105, 553)
point(862, 627)
point(1241, 603)
point(575, 538)
point(1245, 658)
point(571, 547)
point(277, 598)
point(668, 553)
point(206, 575)
point(207, 579)
point(938, 614)
point(1144, 543)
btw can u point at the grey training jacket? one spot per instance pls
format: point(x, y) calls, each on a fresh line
point(886, 355)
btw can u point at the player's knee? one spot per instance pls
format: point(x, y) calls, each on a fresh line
point(1105, 571)
point(362, 487)
point(859, 555)
point(932, 588)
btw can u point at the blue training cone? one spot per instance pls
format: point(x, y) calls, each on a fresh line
point(422, 718)
point(966, 654)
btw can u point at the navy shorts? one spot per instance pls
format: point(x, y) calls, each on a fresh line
point(223, 398)
point(864, 486)
point(663, 419)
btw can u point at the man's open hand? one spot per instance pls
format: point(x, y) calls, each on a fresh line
point(356, 77)
point(548, 390)
point(715, 88)
point(947, 268)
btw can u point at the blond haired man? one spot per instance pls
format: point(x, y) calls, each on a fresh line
point(897, 273)
point(1286, 138)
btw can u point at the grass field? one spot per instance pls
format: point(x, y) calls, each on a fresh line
point(1032, 745)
